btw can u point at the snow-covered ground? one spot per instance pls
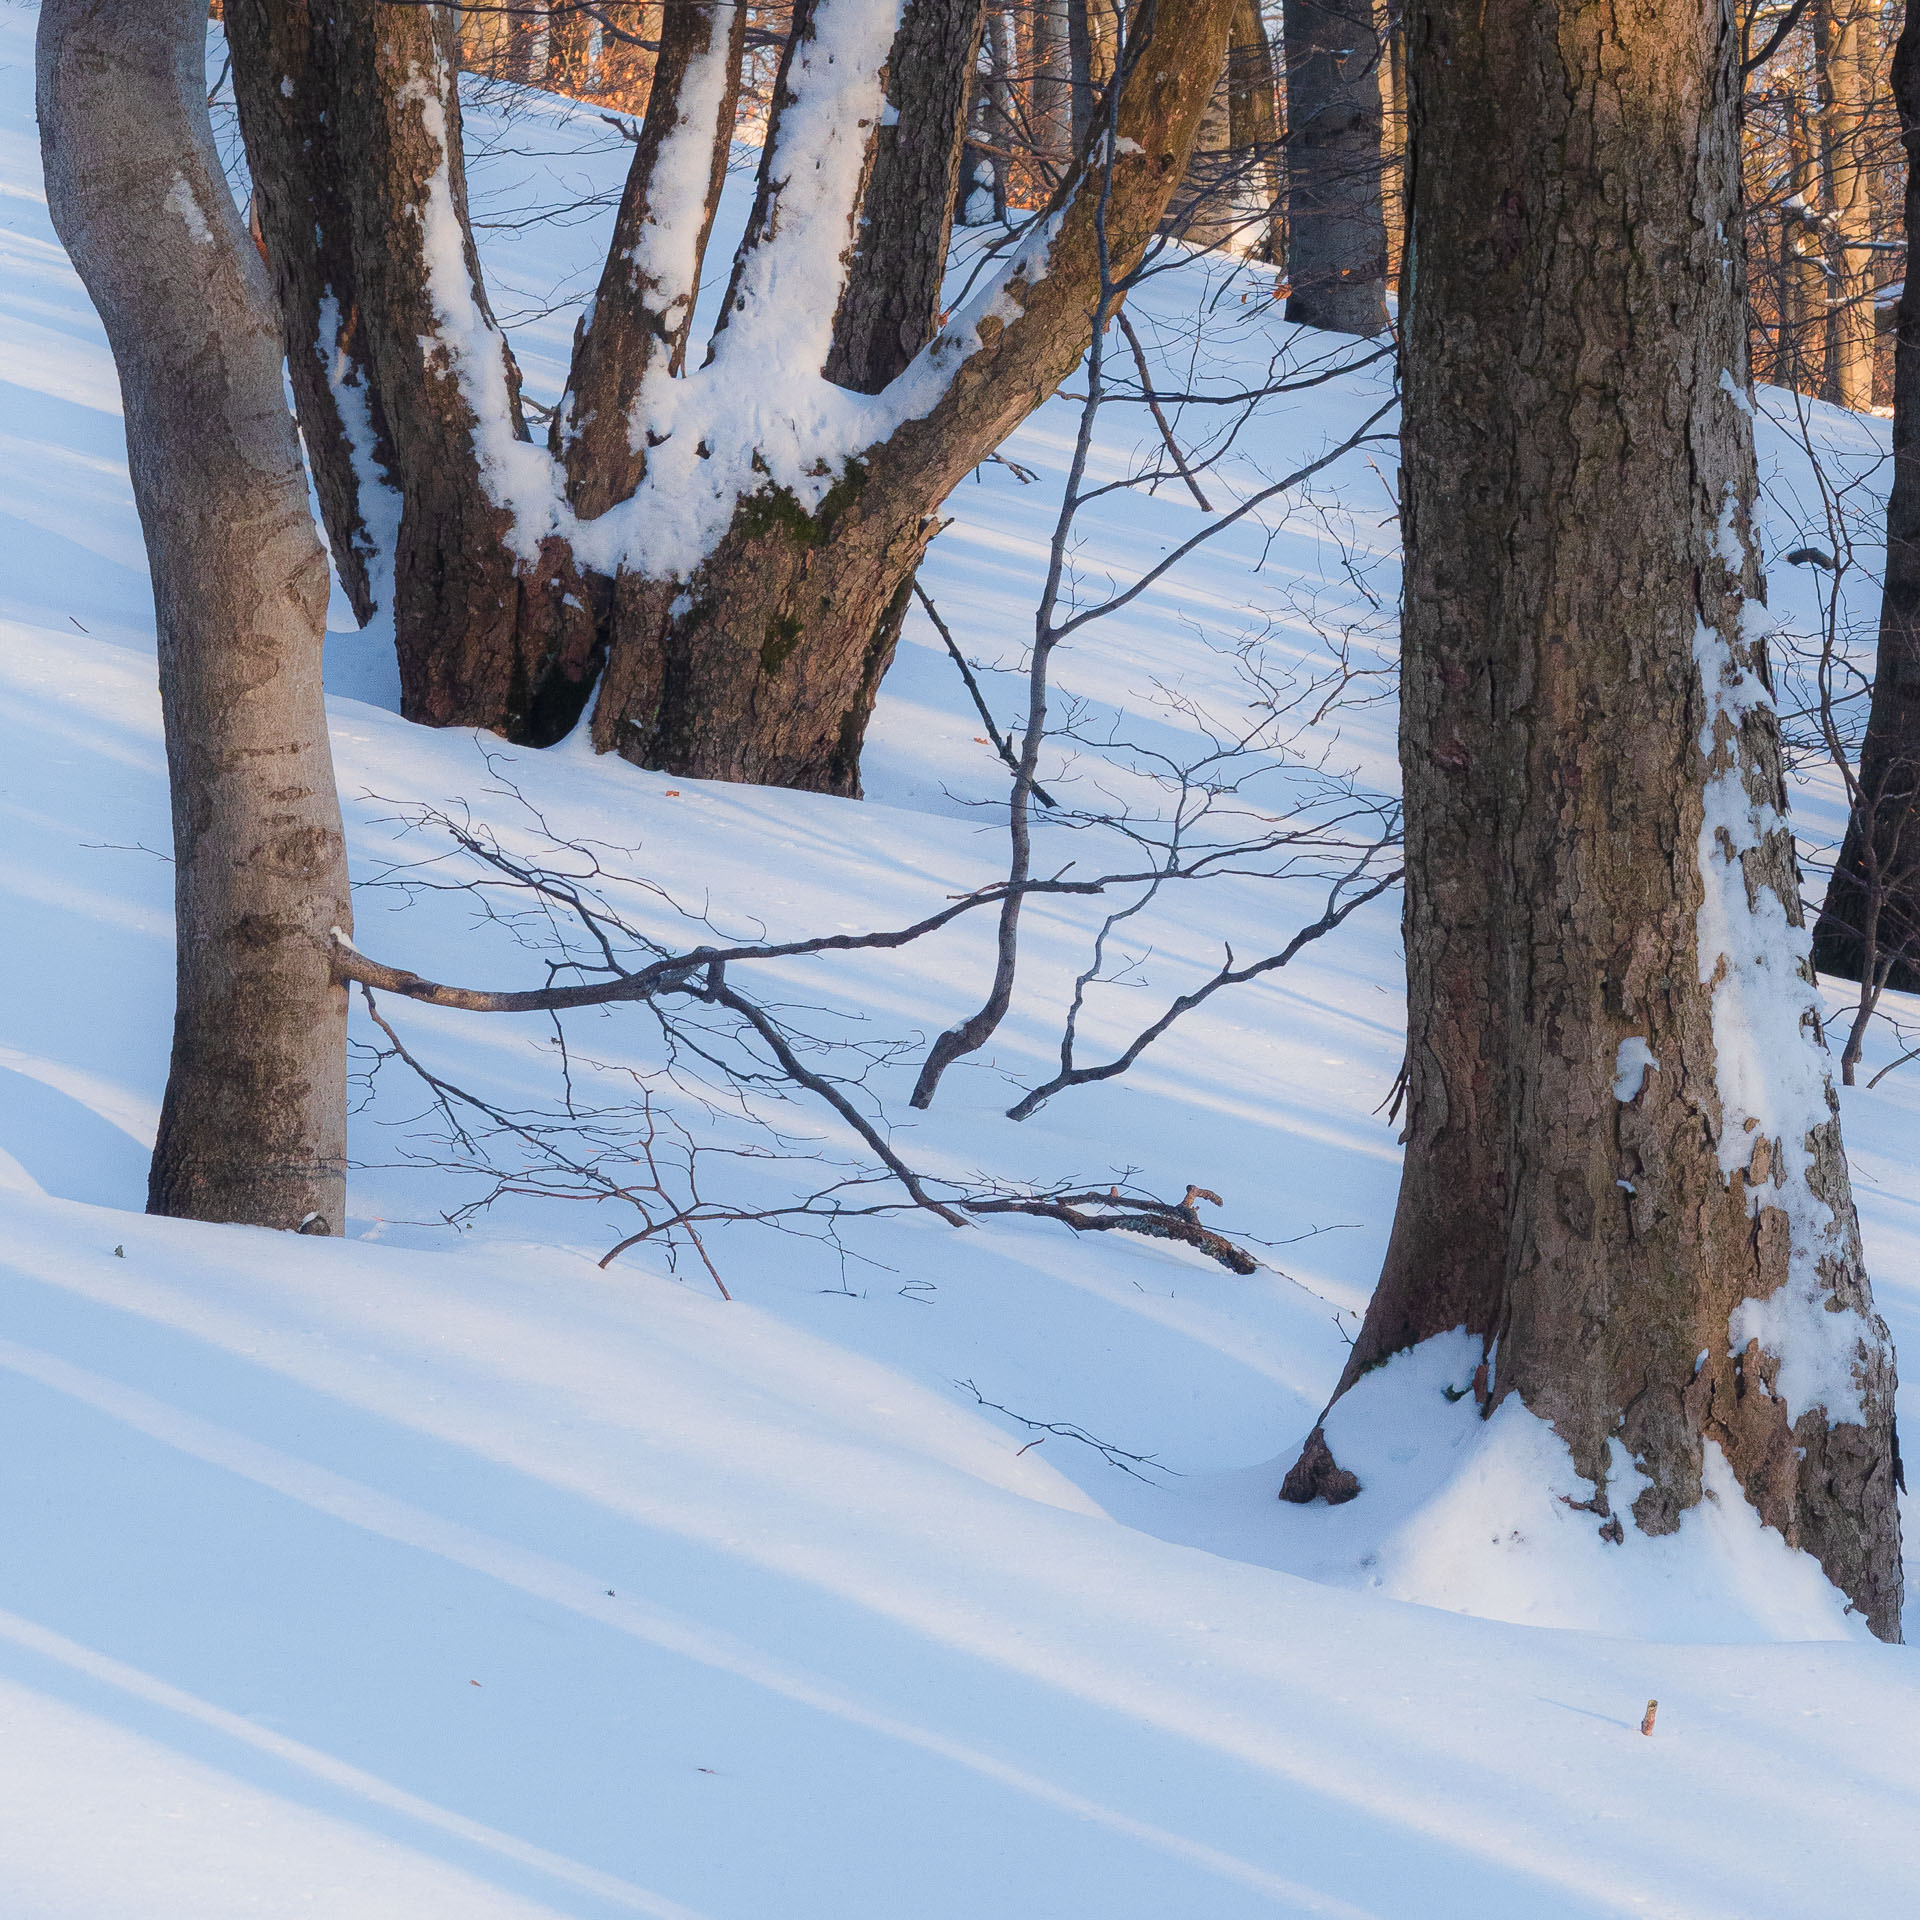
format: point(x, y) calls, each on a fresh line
point(438, 1571)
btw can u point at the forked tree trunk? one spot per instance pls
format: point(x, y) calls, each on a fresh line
point(764, 665)
point(1599, 872)
point(752, 649)
point(1871, 920)
point(253, 1126)
point(1336, 230)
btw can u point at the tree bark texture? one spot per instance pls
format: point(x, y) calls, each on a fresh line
point(643, 312)
point(1599, 870)
point(282, 50)
point(1871, 919)
point(892, 296)
point(1336, 228)
point(493, 626)
point(253, 1125)
point(765, 665)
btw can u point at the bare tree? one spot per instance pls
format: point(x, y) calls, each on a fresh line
point(745, 594)
point(1624, 1169)
point(253, 1126)
point(1869, 928)
point(1336, 227)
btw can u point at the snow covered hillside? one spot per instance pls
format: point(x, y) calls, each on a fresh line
point(438, 1571)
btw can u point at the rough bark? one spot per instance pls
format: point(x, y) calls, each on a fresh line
point(1578, 688)
point(253, 1126)
point(892, 296)
point(643, 312)
point(492, 624)
point(764, 666)
point(1336, 229)
point(1871, 919)
point(282, 52)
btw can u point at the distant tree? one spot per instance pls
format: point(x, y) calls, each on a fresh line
point(1624, 1170)
point(1869, 929)
point(1336, 225)
point(725, 549)
point(253, 1126)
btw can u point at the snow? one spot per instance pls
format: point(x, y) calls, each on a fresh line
point(436, 1571)
point(378, 537)
point(1632, 1062)
point(1770, 1066)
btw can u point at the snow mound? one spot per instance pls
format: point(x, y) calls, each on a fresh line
point(1490, 1517)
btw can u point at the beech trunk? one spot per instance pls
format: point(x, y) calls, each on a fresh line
point(253, 1125)
point(1871, 920)
point(1599, 873)
point(1336, 227)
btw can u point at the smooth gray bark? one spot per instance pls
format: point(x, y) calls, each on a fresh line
point(253, 1127)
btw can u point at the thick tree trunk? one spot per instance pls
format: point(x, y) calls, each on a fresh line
point(1600, 874)
point(253, 1126)
point(1871, 920)
point(764, 665)
point(493, 625)
point(1336, 230)
point(892, 295)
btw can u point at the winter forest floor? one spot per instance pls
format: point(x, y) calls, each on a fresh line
point(436, 1571)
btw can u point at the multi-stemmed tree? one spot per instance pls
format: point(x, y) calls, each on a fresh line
point(724, 545)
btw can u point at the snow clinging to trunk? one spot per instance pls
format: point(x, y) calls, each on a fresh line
point(1770, 1063)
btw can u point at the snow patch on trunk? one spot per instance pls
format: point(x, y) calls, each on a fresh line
point(378, 536)
point(1770, 1062)
point(517, 476)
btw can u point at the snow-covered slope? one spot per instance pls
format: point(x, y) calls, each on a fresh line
point(437, 1571)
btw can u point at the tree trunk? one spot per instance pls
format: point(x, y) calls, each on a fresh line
point(1337, 235)
point(1599, 873)
point(892, 295)
point(253, 1126)
point(764, 665)
point(1051, 92)
point(1092, 33)
point(643, 312)
point(742, 642)
point(1871, 919)
point(282, 56)
point(1844, 44)
point(494, 627)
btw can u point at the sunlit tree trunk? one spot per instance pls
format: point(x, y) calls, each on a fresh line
point(253, 1125)
point(1658, 1258)
point(1845, 33)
